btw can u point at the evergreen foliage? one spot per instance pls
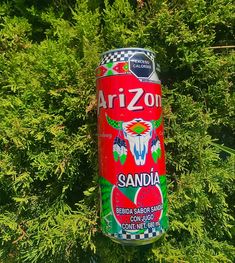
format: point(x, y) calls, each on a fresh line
point(49, 200)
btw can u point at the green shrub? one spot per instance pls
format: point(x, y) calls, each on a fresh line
point(49, 201)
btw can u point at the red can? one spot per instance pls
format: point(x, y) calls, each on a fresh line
point(131, 147)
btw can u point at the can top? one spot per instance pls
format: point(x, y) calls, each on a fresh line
point(123, 54)
point(133, 49)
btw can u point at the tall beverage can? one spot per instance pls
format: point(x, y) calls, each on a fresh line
point(131, 147)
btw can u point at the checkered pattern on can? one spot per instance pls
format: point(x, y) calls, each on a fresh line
point(123, 55)
point(149, 233)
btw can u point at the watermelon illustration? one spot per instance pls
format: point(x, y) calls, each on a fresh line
point(120, 200)
point(146, 206)
point(150, 196)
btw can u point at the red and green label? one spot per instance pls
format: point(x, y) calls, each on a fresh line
point(131, 147)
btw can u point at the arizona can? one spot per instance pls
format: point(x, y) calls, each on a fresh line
point(131, 148)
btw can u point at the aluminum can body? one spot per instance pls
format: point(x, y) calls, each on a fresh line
point(131, 147)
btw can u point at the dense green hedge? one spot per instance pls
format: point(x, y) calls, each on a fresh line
point(49, 201)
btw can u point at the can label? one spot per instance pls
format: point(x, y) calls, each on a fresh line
point(131, 147)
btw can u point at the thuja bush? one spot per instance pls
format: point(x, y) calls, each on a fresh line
point(49, 199)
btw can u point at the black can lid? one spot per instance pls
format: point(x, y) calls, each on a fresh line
point(123, 54)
